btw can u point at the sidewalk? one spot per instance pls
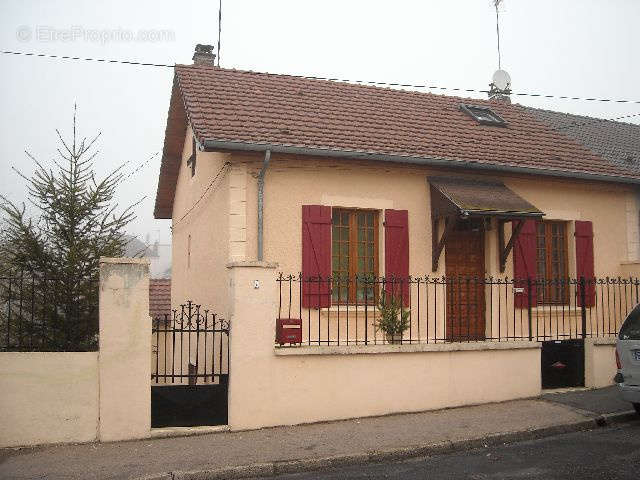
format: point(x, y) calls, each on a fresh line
point(298, 447)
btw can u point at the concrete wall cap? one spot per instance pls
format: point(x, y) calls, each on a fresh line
point(411, 348)
point(252, 264)
point(602, 340)
point(125, 260)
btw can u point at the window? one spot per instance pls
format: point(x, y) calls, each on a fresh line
point(551, 247)
point(192, 159)
point(189, 251)
point(354, 252)
point(483, 115)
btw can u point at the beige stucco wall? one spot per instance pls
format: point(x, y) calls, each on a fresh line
point(603, 204)
point(125, 349)
point(633, 226)
point(630, 269)
point(329, 387)
point(316, 387)
point(223, 228)
point(294, 181)
point(215, 207)
point(52, 397)
point(599, 362)
point(223, 225)
point(48, 397)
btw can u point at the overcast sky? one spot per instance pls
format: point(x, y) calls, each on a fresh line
point(587, 48)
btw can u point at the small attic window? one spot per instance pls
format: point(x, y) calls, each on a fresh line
point(191, 162)
point(483, 115)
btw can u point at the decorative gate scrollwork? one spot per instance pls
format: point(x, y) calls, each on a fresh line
point(190, 367)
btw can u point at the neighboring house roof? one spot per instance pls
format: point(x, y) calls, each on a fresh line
point(134, 247)
point(616, 142)
point(159, 297)
point(241, 110)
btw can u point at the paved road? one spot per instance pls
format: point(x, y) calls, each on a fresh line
point(609, 453)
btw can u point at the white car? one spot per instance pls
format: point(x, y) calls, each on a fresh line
point(628, 359)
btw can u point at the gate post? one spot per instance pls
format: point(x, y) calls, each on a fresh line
point(253, 309)
point(124, 359)
point(583, 306)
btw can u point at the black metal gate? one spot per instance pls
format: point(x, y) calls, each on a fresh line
point(563, 363)
point(190, 368)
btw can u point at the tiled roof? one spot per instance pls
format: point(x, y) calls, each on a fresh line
point(159, 297)
point(256, 108)
point(616, 142)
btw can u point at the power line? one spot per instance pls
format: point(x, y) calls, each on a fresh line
point(140, 167)
point(336, 79)
point(470, 90)
point(226, 164)
point(596, 120)
point(88, 59)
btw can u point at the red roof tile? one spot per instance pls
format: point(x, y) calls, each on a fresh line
point(159, 297)
point(239, 106)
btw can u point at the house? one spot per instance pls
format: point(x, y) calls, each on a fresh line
point(134, 247)
point(492, 221)
point(365, 148)
point(159, 254)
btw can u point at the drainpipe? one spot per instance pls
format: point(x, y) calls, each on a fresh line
point(265, 164)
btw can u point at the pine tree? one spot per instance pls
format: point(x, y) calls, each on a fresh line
point(55, 253)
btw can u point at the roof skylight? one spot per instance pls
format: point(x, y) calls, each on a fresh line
point(483, 115)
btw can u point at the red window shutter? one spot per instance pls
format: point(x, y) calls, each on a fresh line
point(525, 265)
point(316, 256)
point(584, 261)
point(396, 252)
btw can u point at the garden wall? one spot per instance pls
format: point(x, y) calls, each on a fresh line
point(279, 386)
point(48, 397)
point(55, 397)
point(599, 361)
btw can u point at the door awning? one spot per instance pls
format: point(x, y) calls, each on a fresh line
point(467, 197)
point(459, 198)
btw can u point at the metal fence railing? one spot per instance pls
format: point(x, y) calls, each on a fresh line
point(462, 309)
point(48, 314)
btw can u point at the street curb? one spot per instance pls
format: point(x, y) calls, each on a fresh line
point(620, 417)
point(270, 469)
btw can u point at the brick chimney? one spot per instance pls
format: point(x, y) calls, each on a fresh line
point(204, 55)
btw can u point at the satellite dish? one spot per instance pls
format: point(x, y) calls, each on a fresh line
point(501, 80)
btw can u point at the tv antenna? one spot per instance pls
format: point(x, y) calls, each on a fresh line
point(496, 4)
point(500, 86)
point(220, 27)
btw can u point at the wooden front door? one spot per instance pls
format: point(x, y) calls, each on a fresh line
point(464, 258)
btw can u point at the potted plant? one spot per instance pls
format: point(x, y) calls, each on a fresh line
point(393, 319)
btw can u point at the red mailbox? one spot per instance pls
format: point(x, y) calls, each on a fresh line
point(288, 330)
